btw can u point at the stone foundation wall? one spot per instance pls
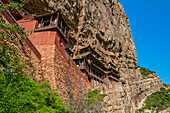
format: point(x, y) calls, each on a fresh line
point(61, 73)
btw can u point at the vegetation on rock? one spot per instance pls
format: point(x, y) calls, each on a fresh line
point(18, 92)
point(92, 95)
point(166, 85)
point(157, 101)
point(94, 103)
point(145, 72)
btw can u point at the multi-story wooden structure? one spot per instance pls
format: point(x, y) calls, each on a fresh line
point(92, 65)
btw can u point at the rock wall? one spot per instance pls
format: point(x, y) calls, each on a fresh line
point(104, 24)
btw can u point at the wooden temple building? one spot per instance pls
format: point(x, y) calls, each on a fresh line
point(93, 66)
point(48, 29)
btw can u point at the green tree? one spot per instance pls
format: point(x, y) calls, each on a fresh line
point(18, 92)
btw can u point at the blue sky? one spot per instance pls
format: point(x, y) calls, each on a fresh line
point(150, 25)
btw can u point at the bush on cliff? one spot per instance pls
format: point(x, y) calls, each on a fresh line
point(18, 92)
point(92, 95)
point(157, 101)
point(145, 72)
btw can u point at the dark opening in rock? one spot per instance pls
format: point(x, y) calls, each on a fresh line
point(102, 33)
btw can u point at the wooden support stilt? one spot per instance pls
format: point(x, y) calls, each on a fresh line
point(67, 35)
point(65, 31)
point(96, 82)
point(100, 85)
point(93, 82)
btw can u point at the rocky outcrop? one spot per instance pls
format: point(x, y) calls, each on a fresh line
point(104, 24)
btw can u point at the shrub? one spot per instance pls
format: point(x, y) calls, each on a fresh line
point(145, 72)
point(18, 92)
point(158, 101)
point(92, 95)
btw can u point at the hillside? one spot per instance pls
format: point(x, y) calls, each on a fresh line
point(158, 101)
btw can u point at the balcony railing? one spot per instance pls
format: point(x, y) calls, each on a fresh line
point(51, 24)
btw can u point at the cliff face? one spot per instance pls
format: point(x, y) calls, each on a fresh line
point(104, 24)
point(100, 23)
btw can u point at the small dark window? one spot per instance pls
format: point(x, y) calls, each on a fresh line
point(46, 23)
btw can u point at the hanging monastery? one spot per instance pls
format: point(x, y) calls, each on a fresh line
point(48, 47)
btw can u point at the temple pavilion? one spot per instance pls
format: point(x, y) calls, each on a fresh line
point(93, 66)
point(48, 29)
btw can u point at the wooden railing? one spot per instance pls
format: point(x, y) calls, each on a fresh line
point(52, 25)
point(86, 68)
point(92, 75)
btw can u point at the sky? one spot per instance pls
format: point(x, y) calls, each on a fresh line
point(150, 26)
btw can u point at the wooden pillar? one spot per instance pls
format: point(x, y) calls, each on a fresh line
point(51, 19)
point(65, 31)
point(41, 22)
point(93, 81)
point(67, 35)
point(96, 81)
point(100, 85)
point(57, 19)
point(61, 26)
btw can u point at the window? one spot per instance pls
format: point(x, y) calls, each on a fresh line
point(46, 23)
